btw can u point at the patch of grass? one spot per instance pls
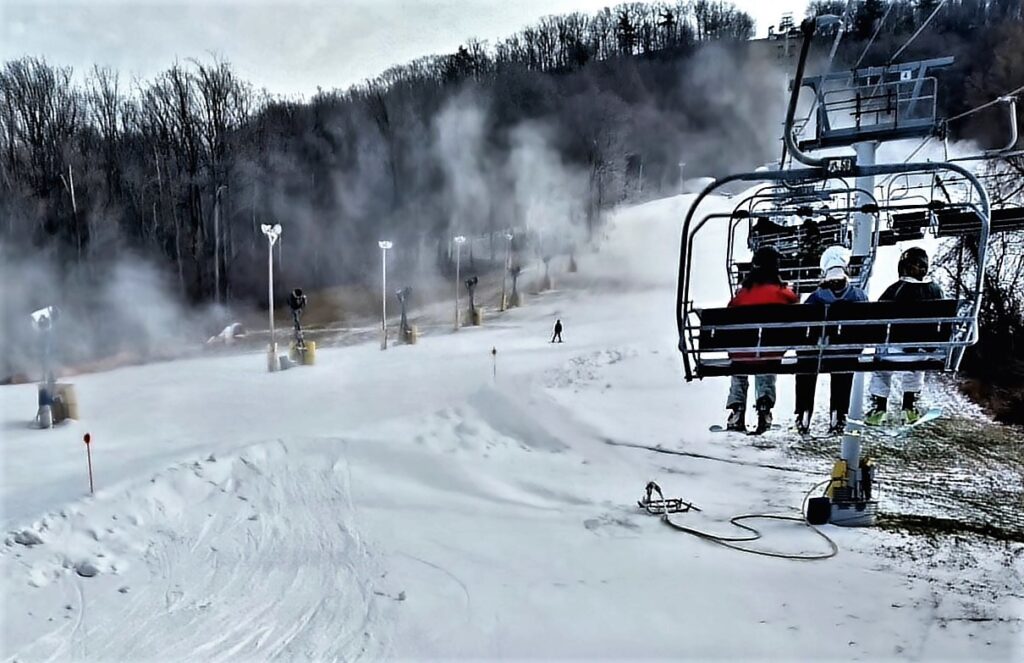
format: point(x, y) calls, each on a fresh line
point(968, 470)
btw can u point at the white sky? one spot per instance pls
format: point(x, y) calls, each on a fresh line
point(288, 46)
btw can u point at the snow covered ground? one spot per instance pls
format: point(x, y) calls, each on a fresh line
point(410, 504)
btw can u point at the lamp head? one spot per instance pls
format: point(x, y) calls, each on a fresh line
point(384, 244)
point(43, 319)
point(271, 231)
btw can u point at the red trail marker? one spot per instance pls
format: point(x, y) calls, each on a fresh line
point(88, 455)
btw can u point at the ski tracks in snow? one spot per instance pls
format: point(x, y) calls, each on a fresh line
point(255, 557)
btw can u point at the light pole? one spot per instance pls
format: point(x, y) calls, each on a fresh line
point(508, 265)
point(459, 241)
point(384, 246)
point(216, 242)
point(273, 232)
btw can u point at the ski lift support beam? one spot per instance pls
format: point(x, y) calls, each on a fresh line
point(898, 91)
point(870, 91)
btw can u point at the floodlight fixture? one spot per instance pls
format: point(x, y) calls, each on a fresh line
point(273, 232)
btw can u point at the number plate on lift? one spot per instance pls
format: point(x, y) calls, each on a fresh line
point(840, 165)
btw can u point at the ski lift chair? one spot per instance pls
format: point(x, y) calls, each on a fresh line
point(842, 338)
point(798, 232)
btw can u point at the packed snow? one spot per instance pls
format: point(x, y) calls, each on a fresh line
point(424, 503)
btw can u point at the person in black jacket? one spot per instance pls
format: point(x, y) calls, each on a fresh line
point(297, 303)
point(558, 332)
point(914, 285)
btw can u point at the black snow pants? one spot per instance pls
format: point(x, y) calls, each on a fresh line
point(806, 385)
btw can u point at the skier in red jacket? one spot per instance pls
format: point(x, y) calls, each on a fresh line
point(762, 286)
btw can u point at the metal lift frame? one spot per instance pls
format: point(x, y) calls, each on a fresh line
point(967, 323)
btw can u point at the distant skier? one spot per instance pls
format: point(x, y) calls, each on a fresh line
point(558, 331)
point(914, 285)
point(762, 286)
point(835, 287)
point(297, 303)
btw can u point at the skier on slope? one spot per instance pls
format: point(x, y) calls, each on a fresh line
point(558, 332)
point(835, 287)
point(762, 286)
point(914, 285)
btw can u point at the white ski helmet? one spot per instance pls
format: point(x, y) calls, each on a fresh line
point(835, 261)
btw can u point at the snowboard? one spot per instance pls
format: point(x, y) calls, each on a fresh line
point(899, 430)
point(750, 431)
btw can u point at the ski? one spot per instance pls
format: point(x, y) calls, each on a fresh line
point(898, 430)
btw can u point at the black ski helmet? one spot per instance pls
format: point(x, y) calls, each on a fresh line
point(766, 260)
point(914, 263)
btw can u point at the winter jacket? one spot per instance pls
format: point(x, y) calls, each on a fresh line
point(826, 296)
point(764, 293)
point(911, 290)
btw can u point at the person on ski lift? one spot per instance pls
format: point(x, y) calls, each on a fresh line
point(914, 285)
point(835, 287)
point(810, 241)
point(762, 286)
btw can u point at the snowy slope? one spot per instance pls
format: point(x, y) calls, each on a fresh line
point(408, 504)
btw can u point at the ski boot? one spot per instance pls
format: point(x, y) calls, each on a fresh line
point(764, 416)
point(803, 423)
point(837, 425)
point(736, 421)
point(910, 412)
point(877, 414)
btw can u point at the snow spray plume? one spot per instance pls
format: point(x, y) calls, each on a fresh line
point(109, 315)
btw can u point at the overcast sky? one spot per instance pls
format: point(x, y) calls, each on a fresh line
point(287, 46)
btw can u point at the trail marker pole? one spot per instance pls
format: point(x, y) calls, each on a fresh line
point(88, 456)
point(494, 364)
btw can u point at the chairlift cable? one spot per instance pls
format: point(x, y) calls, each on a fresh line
point(828, 68)
point(839, 37)
point(986, 105)
point(914, 36)
point(878, 29)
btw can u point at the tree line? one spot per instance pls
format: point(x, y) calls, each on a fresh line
point(183, 168)
point(548, 127)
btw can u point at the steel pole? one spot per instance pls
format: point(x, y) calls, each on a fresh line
point(504, 272)
point(270, 298)
point(458, 258)
point(384, 296)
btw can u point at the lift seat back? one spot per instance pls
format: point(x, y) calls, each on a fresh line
point(845, 337)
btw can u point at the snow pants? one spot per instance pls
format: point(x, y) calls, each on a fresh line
point(807, 385)
point(764, 387)
point(881, 382)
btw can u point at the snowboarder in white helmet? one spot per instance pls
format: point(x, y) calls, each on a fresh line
point(835, 287)
point(914, 285)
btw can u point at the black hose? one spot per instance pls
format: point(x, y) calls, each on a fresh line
point(731, 541)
